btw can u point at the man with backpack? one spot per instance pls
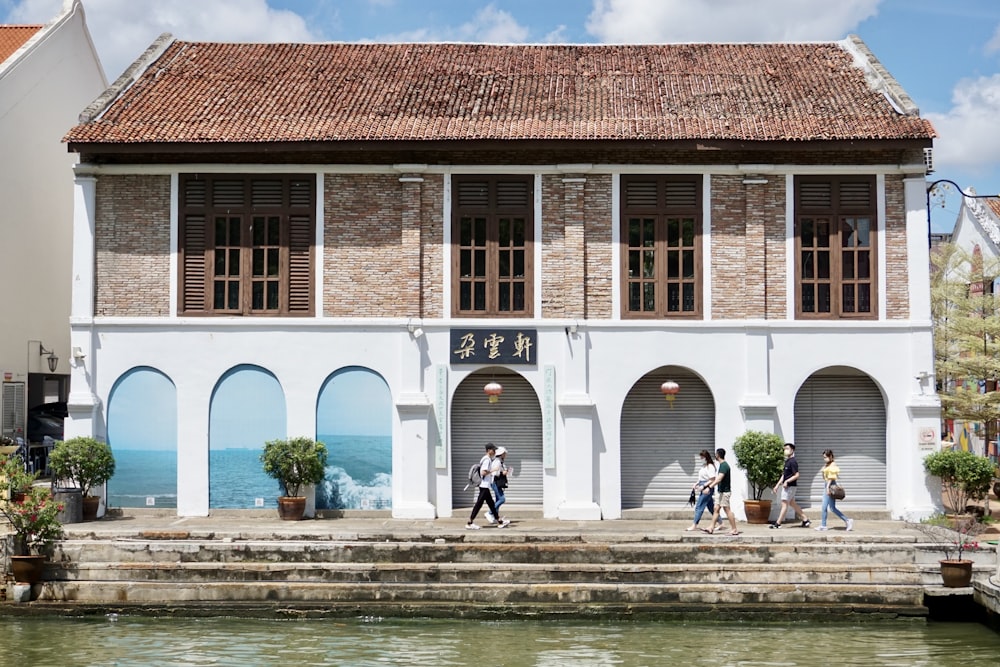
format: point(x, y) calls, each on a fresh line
point(486, 470)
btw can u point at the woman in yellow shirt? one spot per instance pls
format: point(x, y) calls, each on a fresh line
point(830, 473)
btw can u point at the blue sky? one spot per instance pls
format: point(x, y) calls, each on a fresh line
point(945, 54)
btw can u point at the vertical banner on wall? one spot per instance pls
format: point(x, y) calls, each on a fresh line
point(441, 415)
point(549, 418)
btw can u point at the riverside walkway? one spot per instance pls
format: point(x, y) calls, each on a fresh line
point(152, 561)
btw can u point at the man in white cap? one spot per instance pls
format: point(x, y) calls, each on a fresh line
point(499, 471)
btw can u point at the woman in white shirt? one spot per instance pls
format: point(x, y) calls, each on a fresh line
point(702, 491)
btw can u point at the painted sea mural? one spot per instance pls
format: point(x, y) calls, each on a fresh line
point(353, 416)
point(354, 420)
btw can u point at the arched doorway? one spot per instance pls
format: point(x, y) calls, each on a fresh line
point(515, 422)
point(142, 432)
point(842, 409)
point(247, 410)
point(659, 443)
point(354, 420)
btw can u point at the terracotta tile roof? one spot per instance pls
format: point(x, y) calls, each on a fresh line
point(994, 205)
point(214, 92)
point(13, 37)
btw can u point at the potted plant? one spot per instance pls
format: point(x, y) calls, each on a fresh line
point(34, 520)
point(89, 463)
point(965, 477)
point(294, 462)
point(956, 570)
point(761, 455)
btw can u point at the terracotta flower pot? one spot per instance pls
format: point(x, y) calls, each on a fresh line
point(291, 508)
point(758, 511)
point(27, 569)
point(90, 507)
point(956, 573)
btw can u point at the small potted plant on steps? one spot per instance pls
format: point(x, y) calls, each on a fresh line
point(89, 463)
point(34, 520)
point(956, 570)
point(294, 462)
point(761, 455)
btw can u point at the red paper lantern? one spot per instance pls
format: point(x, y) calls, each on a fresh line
point(670, 389)
point(493, 390)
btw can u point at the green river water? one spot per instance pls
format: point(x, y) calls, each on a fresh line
point(241, 642)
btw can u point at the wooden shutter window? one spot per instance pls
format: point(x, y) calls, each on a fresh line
point(259, 262)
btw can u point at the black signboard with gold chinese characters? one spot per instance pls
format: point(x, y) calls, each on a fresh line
point(494, 346)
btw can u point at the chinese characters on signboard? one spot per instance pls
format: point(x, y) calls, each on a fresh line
point(494, 346)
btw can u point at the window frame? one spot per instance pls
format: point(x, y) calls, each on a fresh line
point(660, 212)
point(294, 244)
point(493, 212)
point(838, 212)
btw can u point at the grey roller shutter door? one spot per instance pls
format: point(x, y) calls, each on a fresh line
point(844, 413)
point(659, 444)
point(514, 422)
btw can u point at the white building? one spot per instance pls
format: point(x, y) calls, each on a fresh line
point(47, 74)
point(331, 240)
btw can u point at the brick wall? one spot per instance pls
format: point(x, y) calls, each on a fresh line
point(367, 271)
point(896, 259)
point(383, 247)
point(132, 245)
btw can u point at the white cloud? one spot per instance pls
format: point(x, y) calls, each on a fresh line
point(969, 136)
point(993, 45)
point(123, 29)
point(489, 25)
point(650, 21)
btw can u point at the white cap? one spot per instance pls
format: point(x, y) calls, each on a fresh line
point(501, 450)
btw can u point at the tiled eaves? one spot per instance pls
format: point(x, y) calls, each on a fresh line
point(195, 92)
point(13, 37)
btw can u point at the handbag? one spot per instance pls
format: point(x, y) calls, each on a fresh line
point(836, 491)
point(692, 499)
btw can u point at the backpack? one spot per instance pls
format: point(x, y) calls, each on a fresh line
point(475, 476)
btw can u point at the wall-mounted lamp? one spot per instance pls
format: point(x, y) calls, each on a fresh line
point(78, 355)
point(415, 331)
point(571, 329)
point(53, 360)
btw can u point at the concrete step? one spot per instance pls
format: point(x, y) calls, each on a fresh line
point(512, 574)
point(482, 595)
point(705, 549)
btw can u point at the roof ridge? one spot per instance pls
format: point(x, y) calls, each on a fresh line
point(878, 76)
point(127, 78)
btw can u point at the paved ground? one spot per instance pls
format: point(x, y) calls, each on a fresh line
point(253, 524)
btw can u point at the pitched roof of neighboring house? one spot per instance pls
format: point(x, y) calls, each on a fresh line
point(994, 204)
point(13, 37)
point(199, 92)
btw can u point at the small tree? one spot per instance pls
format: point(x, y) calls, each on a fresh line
point(294, 462)
point(966, 336)
point(964, 476)
point(86, 461)
point(762, 456)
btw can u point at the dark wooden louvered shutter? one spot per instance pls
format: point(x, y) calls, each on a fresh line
point(300, 237)
point(194, 193)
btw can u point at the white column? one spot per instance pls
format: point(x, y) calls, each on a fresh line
point(413, 447)
point(578, 481)
point(193, 401)
point(83, 402)
point(917, 250)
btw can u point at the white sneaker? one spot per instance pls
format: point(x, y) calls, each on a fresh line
point(820, 527)
point(503, 524)
point(850, 524)
point(489, 518)
point(471, 526)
